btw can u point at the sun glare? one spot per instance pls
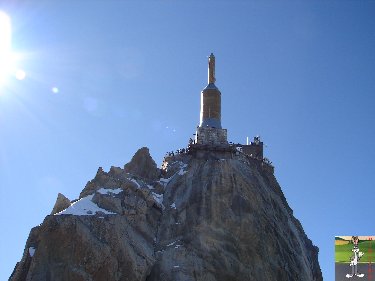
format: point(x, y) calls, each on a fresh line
point(5, 32)
point(5, 46)
point(20, 74)
point(8, 59)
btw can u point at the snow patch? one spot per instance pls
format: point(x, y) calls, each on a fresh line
point(158, 198)
point(182, 172)
point(134, 181)
point(105, 191)
point(164, 181)
point(176, 266)
point(173, 206)
point(150, 187)
point(31, 251)
point(182, 169)
point(171, 244)
point(84, 207)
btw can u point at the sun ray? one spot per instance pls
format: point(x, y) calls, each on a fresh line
point(8, 58)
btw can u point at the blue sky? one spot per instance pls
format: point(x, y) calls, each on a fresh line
point(129, 74)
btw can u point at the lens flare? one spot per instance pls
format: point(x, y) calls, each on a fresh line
point(20, 74)
point(8, 58)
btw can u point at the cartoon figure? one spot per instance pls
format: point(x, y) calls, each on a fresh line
point(355, 258)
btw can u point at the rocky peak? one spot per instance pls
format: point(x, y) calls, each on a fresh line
point(61, 203)
point(214, 219)
point(143, 165)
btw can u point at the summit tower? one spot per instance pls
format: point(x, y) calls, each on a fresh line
point(209, 131)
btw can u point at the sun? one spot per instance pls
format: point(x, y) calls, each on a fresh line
point(8, 59)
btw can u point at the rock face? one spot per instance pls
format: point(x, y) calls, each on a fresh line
point(207, 218)
point(143, 165)
point(61, 203)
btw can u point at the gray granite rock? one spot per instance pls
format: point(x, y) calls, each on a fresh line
point(209, 218)
point(143, 165)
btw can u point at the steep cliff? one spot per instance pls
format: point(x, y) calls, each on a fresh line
point(212, 217)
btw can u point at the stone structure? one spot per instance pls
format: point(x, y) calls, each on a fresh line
point(209, 131)
point(209, 135)
point(254, 149)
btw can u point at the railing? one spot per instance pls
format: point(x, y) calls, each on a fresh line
point(233, 148)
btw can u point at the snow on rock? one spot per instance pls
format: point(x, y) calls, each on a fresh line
point(105, 191)
point(181, 172)
point(182, 169)
point(84, 207)
point(158, 198)
point(31, 251)
point(173, 206)
point(178, 168)
point(165, 181)
point(171, 244)
point(136, 183)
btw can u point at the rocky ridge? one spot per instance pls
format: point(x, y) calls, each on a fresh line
point(197, 218)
